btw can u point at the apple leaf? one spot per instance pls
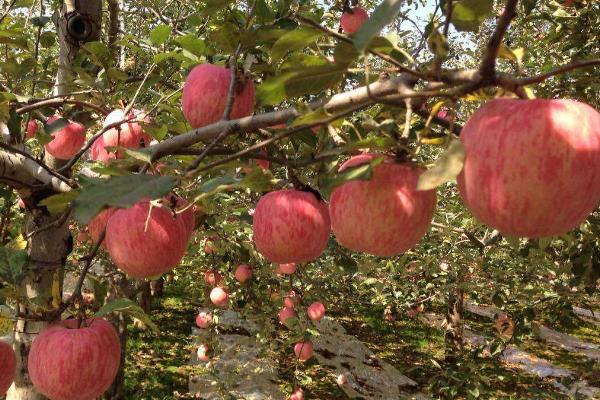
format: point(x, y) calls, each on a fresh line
point(59, 202)
point(130, 308)
point(467, 15)
point(12, 262)
point(384, 14)
point(298, 82)
point(118, 191)
point(160, 34)
point(293, 40)
point(446, 168)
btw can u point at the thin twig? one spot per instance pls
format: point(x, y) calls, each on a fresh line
point(191, 170)
point(488, 65)
point(505, 80)
point(343, 38)
point(232, 83)
point(278, 137)
point(57, 102)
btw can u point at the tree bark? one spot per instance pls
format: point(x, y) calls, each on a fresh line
point(454, 324)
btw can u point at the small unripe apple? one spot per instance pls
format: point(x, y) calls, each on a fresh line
point(286, 313)
point(287, 269)
point(303, 350)
point(316, 311)
point(531, 166)
point(385, 215)
point(8, 367)
point(67, 362)
point(243, 272)
point(203, 320)
point(31, 130)
point(297, 394)
point(291, 226)
point(145, 242)
point(341, 379)
point(219, 297)
point(67, 141)
point(212, 277)
point(205, 93)
point(353, 19)
point(202, 353)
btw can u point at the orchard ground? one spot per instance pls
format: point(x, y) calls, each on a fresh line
point(158, 365)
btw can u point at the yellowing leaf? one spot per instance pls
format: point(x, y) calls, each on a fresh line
point(446, 168)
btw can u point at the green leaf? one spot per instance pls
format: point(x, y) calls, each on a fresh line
point(160, 34)
point(467, 15)
point(438, 44)
point(118, 191)
point(446, 168)
point(384, 14)
point(59, 203)
point(192, 44)
point(98, 53)
point(293, 40)
point(141, 154)
point(128, 307)
point(258, 180)
point(290, 84)
point(311, 117)
point(12, 262)
point(362, 172)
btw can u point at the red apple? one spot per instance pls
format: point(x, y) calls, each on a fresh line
point(212, 277)
point(98, 152)
point(31, 130)
point(202, 353)
point(316, 311)
point(286, 313)
point(188, 216)
point(67, 141)
point(532, 166)
point(219, 297)
point(204, 320)
point(8, 367)
point(70, 363)
point(303, 350)
point(287, 269)
point(21, 203)
point(291, 300)
point(384, 216)
point(98, 224)
point(145, 242)
point(264, 164)
point(297, 394)
point(130, 135)
point(243, 272)
point(209, 246)
point(353, 19)
point(205, 95)
point(291, 226)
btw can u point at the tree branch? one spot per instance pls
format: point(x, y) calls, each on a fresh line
point(488, 65)
point(58, 102)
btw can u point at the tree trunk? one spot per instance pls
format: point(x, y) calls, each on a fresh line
point(76, 23)
point(48, 251)
point(454, 324)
